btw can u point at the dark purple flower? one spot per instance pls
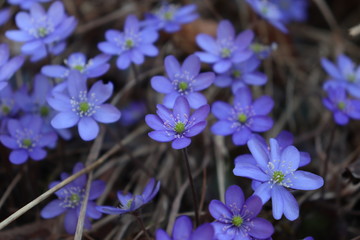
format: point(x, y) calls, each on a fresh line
point(345, 74)
point(241, 75)
point(342, 107)
point(183, 230)
point(276, 170)
point(184, 80)
point(309, 238)
point(130, 45)
point(78, 106)
point(8, 66)
point(226, 49)
point(130, 202)
point(237, 218)
point(42, 31)
point(292, 10)
point(177, 125)
point(243, 118)
point(8, 105)
point(270, 12)
point(170, 17)
point(70, 199)
point(26, 4)
point(94, 67)
point(26, 139)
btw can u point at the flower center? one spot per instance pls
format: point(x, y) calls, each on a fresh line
point(80, 68)
point(44, 111)
point(84, 107)
point(72, 197)
point(42, 32)
point(264, 10)
point(168, 15)
point(278, 177)
point(225, 52)
point(242, 118)
point(257, 47)
point(129, 43)
point(75, 198)
point(179, 127)
point(236, 73)
point(237, 221)
point(341, 105)
point(183, 86)
point(351, 78)
point(5, 109)
point(26, 143)
point(128, 204)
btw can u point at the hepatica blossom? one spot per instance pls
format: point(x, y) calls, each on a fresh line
point(130, 45)
point(130, 202)
point(243, 118)
point(71, 198)
point(262, 51)
point(277, 172)
point(95, 67)
point(226, 49)
point(344, 73)
point(5, 14)
point(26, 139)
point(237, 218)
point(342, 107)
point(78, 106)
point(8, 66)
point(293, 10)
point(42, 31)
point(177, 125)
point(26, 4)
point(170, 17)
point(183, 230)
point(184, 80)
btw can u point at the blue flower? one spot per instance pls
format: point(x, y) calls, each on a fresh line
point(26, 139)
point(42, 31)
point(342, 107)
point(243, 118)
point(226, 49)
point(183, 230)
point(130, 202)
point(277, 172)
point(5, 14)
point(78, 106)
point(263, 51)
point(270, 12)
point(184, 81)
point(130, 45)
point(345, 74)
point(132, 113)
point(8, 66)
point(26, 4)
point(178, 125)
point(241, 75)
point(292, 10)
point(95, 67)
point(70, 199)
point(8, 107)
point(170, 17)
point(237, 218)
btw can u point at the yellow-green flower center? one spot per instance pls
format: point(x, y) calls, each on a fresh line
point(129, 43)
point(168, 16)
point(44, 111)
point(182, 86)
point(128, 204)
point(278, 177)
point(237, 221)
point(80, 68)
point(257, 47)
point(225, 52)
point(84, 107)
point(27, 142)
point(42, 32)
point(5, 109)
point(341, 105)
point(242, 118)
point(179, 127)
point(236, 73)
point(351, 78)
point(74, 198)
point(264, 10)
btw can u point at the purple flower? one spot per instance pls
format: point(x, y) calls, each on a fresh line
point(26, 139)
point(263, 51)
point(78, 106)
point(70, 199)
point(183, 80)
point(183, 230)
point(243, 118)
point(95, 67)
point(309, 238)
point(270, 12)
point(241, 75)
point(170, 17)
point(292, 10)
point(26, 4)
point(130, 202)
point(42, 31)
point(177, 125)
point(5, 14)
point(130, 45)
point(8, 66)
point(342, 107)
point(277, 172)
point(132, 113)
point(237, 218)
point(226, 49)
point(344, 74)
